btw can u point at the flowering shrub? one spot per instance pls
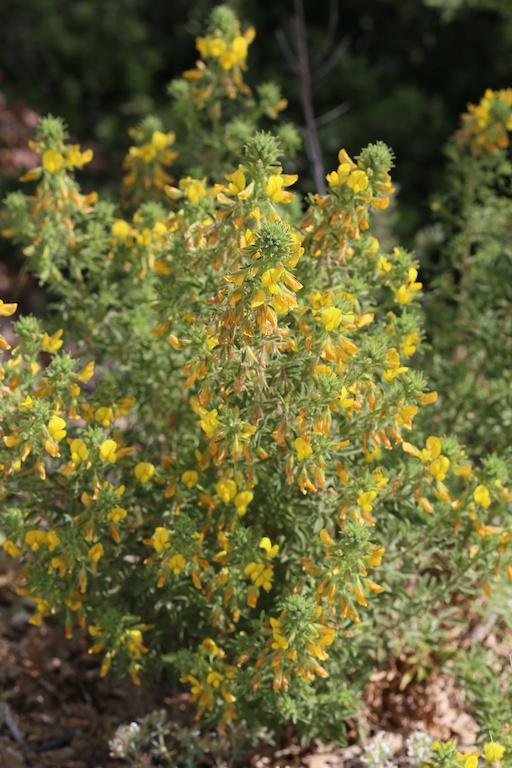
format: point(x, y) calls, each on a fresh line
point(209, 456)
point(423, 751)
point(446, 755)
point(469, 312)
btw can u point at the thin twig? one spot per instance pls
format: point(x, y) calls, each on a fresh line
point(7, 717)
point(332, 114)
point(306, 97)
point(332, 26)
point(287, 51)
point(59, 741)
point(326, 67)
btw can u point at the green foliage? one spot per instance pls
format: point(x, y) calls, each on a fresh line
point(79, 56)
point(213, 449)
point(469, 310)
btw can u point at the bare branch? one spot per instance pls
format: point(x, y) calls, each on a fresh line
point(326, 67)
point(332, 114)
point(332, 26)
point(306, 97)
point(287, 51)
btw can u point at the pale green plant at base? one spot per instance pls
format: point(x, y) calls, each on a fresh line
point(156, 740)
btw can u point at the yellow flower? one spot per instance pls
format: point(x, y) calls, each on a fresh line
point(6, 310)
point(331, 317)
point(481, 496)
point(43, 608)
point(242, 501)
point(265, 579)
point(87, 372)
point(409, 343)
point(134, 644)
point(271, 277)
point(375, 558)
point(346, 400)
point(35, 538)
point(433, 449)
point(121, 229)
point(253, 569)
point(322, 370)
point(270, 549)
point(333, 179)
point(210, 646)
point(147, 152)
point(52, 343)
point(210, 46)
point(237, 182)
point(439, 467)
point(327, 635)
point(303, 448)
point(53, 161)
point(357, 181)
point(96, 551)
point(108, 451)
point(365, 500)
point(189, 478)
point(393, 361)
point(239, 47)
point(493, 751)
point(77, 159)
point(214, 679)
point(57, 428)
point(383, 265)
point(78, 450)
point(226, 490)
point(161, 539)
point(404, 293)
point(341, 175)
point(52, 540)
point(275, 184)
point(159, 140)
point(373, 455)
point(326, 538)
point(177, 564)
point(194, 189)
point(144, 471)
point(11, 548)
point(104, 415)
point(209, 422)
point(11, 440)
point(117, 514)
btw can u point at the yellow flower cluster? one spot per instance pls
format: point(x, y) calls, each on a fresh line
point(229, 54)
point(217, 678)
point(361, 181)
point(297, 653)
point(145, 166)
point(493, 752)
point(486, 125)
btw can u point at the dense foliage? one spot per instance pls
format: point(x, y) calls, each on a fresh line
point(219, 461)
